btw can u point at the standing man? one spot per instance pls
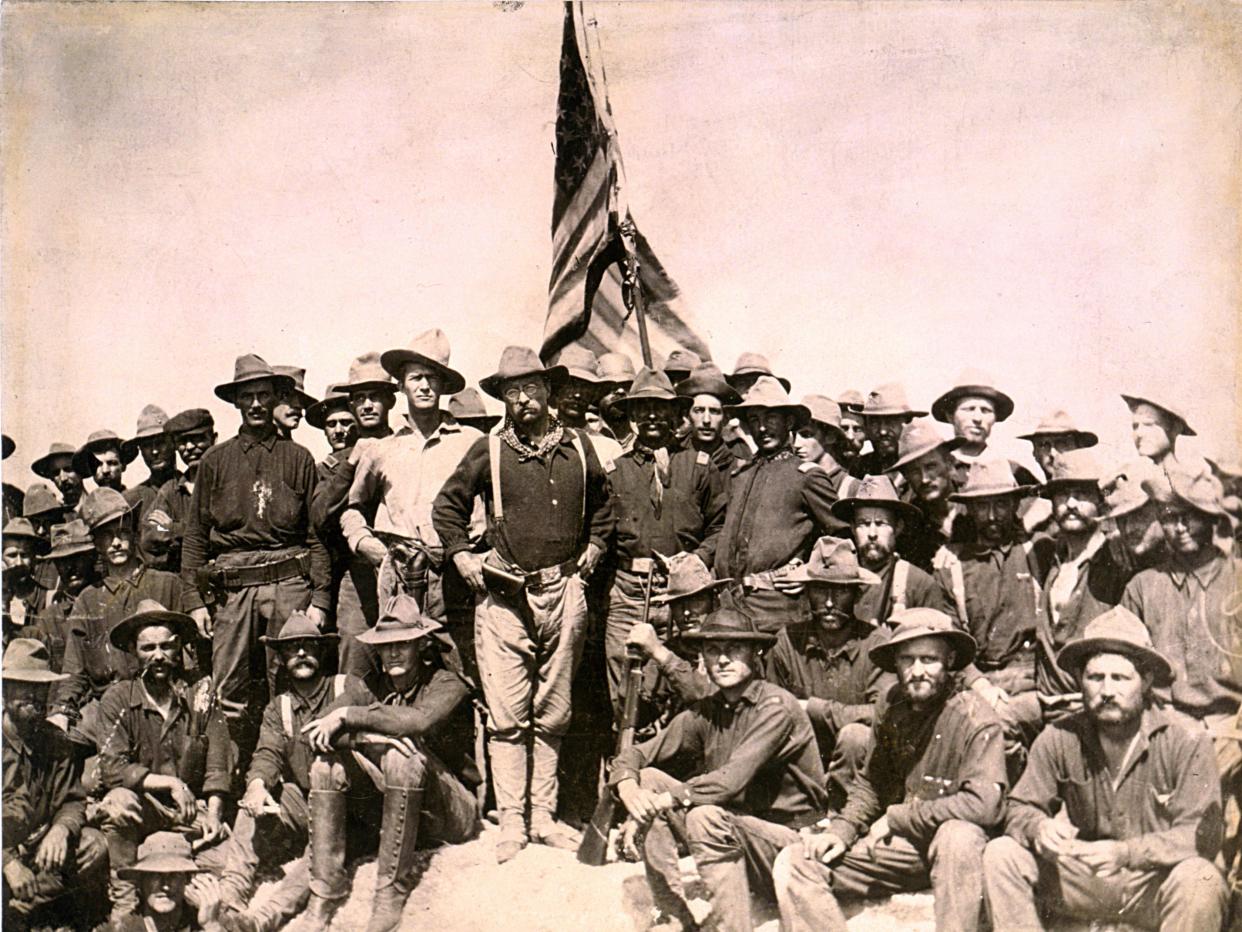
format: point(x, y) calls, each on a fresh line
point(851, 402)
point(467, 409)
point(193, 433)
point(680, 363)
point(778, 507)
point(822, 440)
point(332, 415)
point(1139, 805)
point(1155, 427)
point(581, 389)
point(617, 370)
point(57, 465)
point(292, 402)
point(755, 779)
point(156, 446)
point(706, 394)
point(549, 522)
point(249, 532)
point(920, 810)
point(24, 596)
point(1056, 433)
point(885, 413)
point(104, 460)
point(1137, 536)
point(974, 406)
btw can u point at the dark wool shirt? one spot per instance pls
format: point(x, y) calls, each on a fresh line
point(253, 494)
point(549, 516)
point(147, 492)
point(174, 500)
point(1166, 805)
point(876, 603)
point(926, 767)
point(755, 756)
point(42, 787)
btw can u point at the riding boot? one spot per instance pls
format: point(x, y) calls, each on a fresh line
point(394, 868)
point(329, 884)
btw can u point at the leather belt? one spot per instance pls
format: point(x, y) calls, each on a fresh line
point(239, 577)
point(642, 566)
point(550, 575)
point(767, 579)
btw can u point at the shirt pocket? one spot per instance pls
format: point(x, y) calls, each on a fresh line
point(285, 508)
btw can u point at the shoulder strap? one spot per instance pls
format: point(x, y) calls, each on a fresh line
point(575, 437)
point(1028, 550)
point(809, 467)
point(948, 559)
point(286, 714)
point(901, 572)
point(493, 454)
point(702, 458)
point(338, 685)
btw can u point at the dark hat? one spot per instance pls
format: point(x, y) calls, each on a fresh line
point(367, 373)
point(431, 348)
point(833, 562)
point(707, 379)
point(401, 620)
point(754, 364)
point(26, 661)
point(972, 383)
point(915, 623)
point(1117, 631)
point(1225, 469)
point(851, 400)
point(43, 465)
point(467, 407)
point(252, 368)
point(918, 438)
point(681, 362)
point(825, 412)
point(7, 446)
point(41, 499)
point(298, 627)
point(103, 506)
point(162, 853)
point(84, 461)
point(581, 364)
point(1058, 423)
point(150, 612)
point(516, 362)
point(151, 423)
point(21, 527)
point(877, 491)
point(651, 385)
point(728, 624)
point(687, 575)
point(769, 393)
point(334, 400)
point(68, 539)
point(298, 375)
point(1075, 468)
point(617, 369)
point(1133, 401)
point(190, 421)
point(1201, 491)
point(990, 479)
point(889, 399)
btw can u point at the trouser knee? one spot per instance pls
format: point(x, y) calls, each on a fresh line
point(710, 833)
point(1006, 859)
point(327, 773)
point(1195, 882)
point(958, 845)
point(792, 870)
point(851, 746)
point(402, 770)
point(92, 851)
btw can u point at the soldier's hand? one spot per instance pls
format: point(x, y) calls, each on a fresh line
point(317, 615)
point(184, 801)
point(21, 880)
point(470, 566)
point(320, 732)
point(203, 893)
point(53, 849)
point(824, 847)
point(60, 720)
point(213, 829)
point(589, 560)
point(1104, 857)
point(992, 695)
point(879, 831)
point(257, 800)
point(361, 445)
point(642, 804)
point(373, 550)
point(202, 618)
point(644, 637)
point(1054, 837)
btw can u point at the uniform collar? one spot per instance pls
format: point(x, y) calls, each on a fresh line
point(140, 698)
point(248, 440)
point(448, 425)
point(1098, 540)
point(113, 583)
point(313, 700)
point(1204, 574)
point(849, 649)
point(750, 695)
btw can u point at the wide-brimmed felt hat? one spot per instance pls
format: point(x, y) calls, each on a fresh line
point(851, 400)
point(825, 412)
point(21, 527)
point(1116, 631)
point(581, 364)
point(1133, 401)
point(43, 465)
point(518, 362)
point(162, 853)
point(989, 479)
point(298, 375)
point(1202, 491)
point(103, 506)
point(7, 446)
point(190, 421)
point(688, 575)
point(915, 623)
point(151, 421)
point(1223, 468)
point(26, 660)
point(367, 373)
point(467, 407)
point(920, 437)
point(150, 612)
point(878, 492)
point(431, 348)
point(888, 400)
point(728, 624)
point(1058, 423)
point(707, 379)
point(617, 369)
point(298, 627)
point(41, 500)
point(769, 393)
point(1074, 468)
point(252, 368)
point(84, 460)
point(754, 364)
point(334, 399)
point(1123, 494)
point(972, 383)
point(401, 620)
point(651, 385)
point(681, 362)
point(833, 562)
point(69, 539)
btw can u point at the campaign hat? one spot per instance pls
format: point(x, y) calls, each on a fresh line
point(298, 627)
point(26, 660)
point(21, 527)
point(920, 437)
point(851, 400)
point(877, 491)
point(1057, 423)
point(651, 385)
point(990, 479)
point(298, 375)
point(162, 853)
point(1116, 631)
point(467, 407)
point(401, 620)
point(103, 506)
point(252, 368)
point(366, 373)
point(1124, 494)
point(334, 399)
point(41, 499)
point(43, 465)
point(688, 575)
point(190, 421)
point(825, 412)
point(1074, 468)
point(617, 369)
point(581, 364)
point(889, 399)
point(84, 459)
point(729, 624)
point(754, 364)
point(972, 383)
point(1133, 401)
point(150, 612)
point(833, 562)
point(431, 348)
point(1201, 491)
point(769, 392)
point(915, 623)
point(7, 446)
point(151, 421)
point(681, 362)
point(517, 362)
point(68, 539)
point(707, 379)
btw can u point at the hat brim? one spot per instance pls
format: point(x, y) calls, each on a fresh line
point(801, 413)
point(7, 446)
point(132, 447)
point(1053, 486)
point(492, 383)
point(1019, 491)
point(160, 864)
point(228, 390)
point(395, 360)
point(1074, 656)
point(56, 508)
point(42, 467)
point(753, 637)
point(1132, 400)
point(725, 392)
point(370, 385)
point(942, 407)
point(884, 655)
point(483, 422)
point(70, 551)
point(667, 398)
point(664, 598)
point(1086, 437)
point(125, 631)
point(33, 676)
point(734, 377)
point(317, 414)
point(913, 456)
point(844, 508)
point(374, 636)
point(277, 640)
point(908, 413)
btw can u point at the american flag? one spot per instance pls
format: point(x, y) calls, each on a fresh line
point(585, 302)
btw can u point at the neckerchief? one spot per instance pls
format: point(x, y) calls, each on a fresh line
point(659, 472)
point(523, 449)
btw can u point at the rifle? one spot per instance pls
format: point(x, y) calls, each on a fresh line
point(594, 847)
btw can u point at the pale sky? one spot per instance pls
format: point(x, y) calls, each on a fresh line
point(862, 191)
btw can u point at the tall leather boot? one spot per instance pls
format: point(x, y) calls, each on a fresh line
point(328, 883)
point(394, 869)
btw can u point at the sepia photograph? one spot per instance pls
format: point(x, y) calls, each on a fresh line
point(539, 465)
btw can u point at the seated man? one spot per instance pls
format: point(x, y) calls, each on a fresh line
point(273, 817)
point(49, 855)
point(174, 896)
point(825, 661)
point(757, 778)
point(1135, 783)
point(23, 597)
point(932, 787)
point(415, 745)
point(165, 757)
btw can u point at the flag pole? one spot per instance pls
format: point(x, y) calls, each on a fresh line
point(632, 288)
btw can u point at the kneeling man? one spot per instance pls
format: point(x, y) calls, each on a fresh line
point(932, 787)
point(1139, 799)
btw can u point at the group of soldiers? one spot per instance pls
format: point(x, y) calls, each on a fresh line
point(870, 654)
